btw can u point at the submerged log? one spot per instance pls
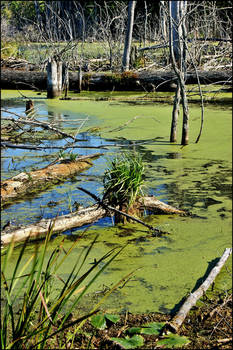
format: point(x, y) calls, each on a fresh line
point(63, 223)
point(179, 318)
point(159, 80)
point(38, 180)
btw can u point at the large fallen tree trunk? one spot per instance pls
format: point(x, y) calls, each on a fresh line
point(179, 318)
point(76, 219)
point(140, 81)
point(32, 182)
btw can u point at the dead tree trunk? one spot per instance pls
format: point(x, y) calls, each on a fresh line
point(80, 78)
point(175, 115)
point(54, 78)
point(128, 37)
point(177, 31)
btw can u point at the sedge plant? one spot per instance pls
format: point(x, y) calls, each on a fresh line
point(123, 180)
point(34, 313)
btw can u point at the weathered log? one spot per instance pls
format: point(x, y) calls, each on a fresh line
point(63, 223)
point(179, 318)
point(101, 81)
point(33, 182)
point(158, 207)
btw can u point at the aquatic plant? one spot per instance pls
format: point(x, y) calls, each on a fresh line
point(123, 180)
point(34, 313)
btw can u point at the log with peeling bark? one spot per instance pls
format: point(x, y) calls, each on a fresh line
point(78, 218)
point(32, 182)
point(179, 318)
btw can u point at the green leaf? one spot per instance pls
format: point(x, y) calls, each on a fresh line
point(99, 321)
point(134, 330)
point(129, 343)
point(150, 328)
point(112, 318)
point(153, 328)
point(173, 341)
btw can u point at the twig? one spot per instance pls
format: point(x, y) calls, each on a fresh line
point(35, 122)
point(108, 207)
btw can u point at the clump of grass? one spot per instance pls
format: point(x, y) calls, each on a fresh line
point(123, 180)
point(35, 314)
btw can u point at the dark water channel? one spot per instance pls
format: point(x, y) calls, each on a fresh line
point(196, 178)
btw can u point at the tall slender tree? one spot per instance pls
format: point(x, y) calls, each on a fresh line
point(128, 37)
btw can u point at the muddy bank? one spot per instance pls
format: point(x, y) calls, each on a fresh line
point(128, 81)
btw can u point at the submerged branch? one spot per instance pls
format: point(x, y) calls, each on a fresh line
point(109, 207)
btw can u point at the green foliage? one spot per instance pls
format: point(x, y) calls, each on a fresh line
point(67, 156)
point(173, 341)
point(129, 343)
point(34, 311)
point(123, 179)
point(150, 328)
point(100, 321)
point(9, 49)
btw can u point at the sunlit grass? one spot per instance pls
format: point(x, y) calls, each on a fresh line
point(123, 180)
point(34, 314)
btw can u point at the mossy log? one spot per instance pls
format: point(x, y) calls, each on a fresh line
point(27, 183)
point(78, 218)
point(133, 81)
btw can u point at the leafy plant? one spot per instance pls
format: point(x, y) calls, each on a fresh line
point(44, 312)
point(123, 180)
point(100, 320)
point(150, 328)
point(173, 341)
point(129, 343)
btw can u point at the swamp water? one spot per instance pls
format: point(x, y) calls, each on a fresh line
point(196, 178)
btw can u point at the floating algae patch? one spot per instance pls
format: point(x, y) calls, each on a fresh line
point(196, 178)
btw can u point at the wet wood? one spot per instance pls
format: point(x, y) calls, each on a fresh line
point(158, 207)
point(35, 181)
point(63, 223)
point(179, 318)
point(160, 80)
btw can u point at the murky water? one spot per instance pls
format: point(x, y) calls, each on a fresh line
point(196, 178)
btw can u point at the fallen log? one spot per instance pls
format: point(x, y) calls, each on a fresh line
point(158, 207)
point(63, 223)
point(179, 318)
point(138, 81)
point(38, 180)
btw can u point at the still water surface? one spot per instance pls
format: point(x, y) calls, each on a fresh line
point(196, 178)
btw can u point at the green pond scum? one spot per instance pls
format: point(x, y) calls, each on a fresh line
point(196, 178)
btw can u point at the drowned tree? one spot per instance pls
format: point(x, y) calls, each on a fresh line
point(178, 49)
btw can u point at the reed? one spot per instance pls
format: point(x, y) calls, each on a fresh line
point(34, 313)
